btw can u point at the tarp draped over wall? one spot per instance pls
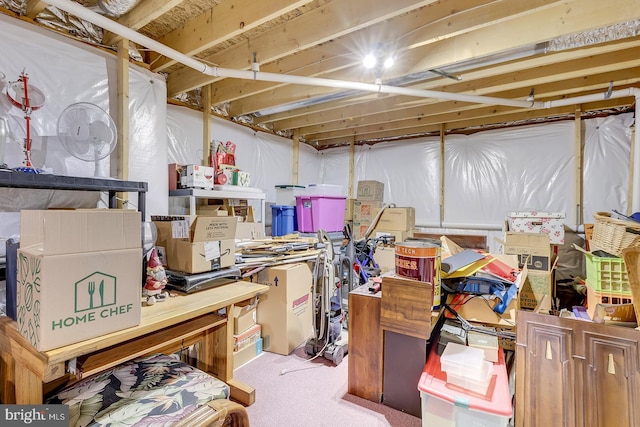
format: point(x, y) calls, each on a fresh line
point(486, 174)
point(67, 72)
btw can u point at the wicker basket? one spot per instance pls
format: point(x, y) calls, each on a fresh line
point(614, 235)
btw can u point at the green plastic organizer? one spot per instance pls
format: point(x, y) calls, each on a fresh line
point(607, 275)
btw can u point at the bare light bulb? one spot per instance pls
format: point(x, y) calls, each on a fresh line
point(369, 61)
point(388, 63)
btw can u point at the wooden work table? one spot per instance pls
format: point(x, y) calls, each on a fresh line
point(27, 374)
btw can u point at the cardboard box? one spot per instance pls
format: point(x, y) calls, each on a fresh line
point(250, 230)
point(80, 230)
point(550, 223)
point(402, 219)
point(372, 191)
point(385, 256)
point(81, 287)
point(249, 336)
point(480, 310)
point(286, 311)
point(398, 235)
point(538, 291)
point(247, 354)
point(198, 244)
point(359, 229)
point(534, 250)
point(244, 316)
point(212, 210)
point(197, 176)
point(363, 211)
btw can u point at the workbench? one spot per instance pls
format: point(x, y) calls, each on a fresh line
point(27, 375)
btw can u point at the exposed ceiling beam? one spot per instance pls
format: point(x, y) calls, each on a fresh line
point(222, 22)
point(320, 25)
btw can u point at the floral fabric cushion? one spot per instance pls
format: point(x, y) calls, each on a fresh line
point(156, 390)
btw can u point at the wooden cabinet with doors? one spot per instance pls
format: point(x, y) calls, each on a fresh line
point(576, 373)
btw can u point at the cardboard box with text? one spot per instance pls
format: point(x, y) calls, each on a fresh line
point(79, 275)
point(286, 311)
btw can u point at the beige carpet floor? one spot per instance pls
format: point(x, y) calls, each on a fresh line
point(310, 394)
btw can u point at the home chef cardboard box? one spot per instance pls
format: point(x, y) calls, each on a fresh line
point(197, 244)
point(286, 311)
point(79, 274)
point(372, 191)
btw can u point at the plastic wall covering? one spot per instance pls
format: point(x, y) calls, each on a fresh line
point(68, 72)
point(487, 174)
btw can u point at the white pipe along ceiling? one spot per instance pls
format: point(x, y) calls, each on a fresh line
point(254, 74)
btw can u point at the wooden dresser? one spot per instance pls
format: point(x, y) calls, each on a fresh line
point(576, 373)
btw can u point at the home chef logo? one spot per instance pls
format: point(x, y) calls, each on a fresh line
point(94, 299)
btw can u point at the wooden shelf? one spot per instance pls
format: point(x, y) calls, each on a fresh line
point(150, 343)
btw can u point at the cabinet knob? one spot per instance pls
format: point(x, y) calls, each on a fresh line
point(611, 366)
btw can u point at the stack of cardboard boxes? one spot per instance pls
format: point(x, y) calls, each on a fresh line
point(285, 313)
point(533, 237)
point(247, 333)
point(397, 222)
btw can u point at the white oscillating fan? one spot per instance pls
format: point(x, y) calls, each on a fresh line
point(88, 133)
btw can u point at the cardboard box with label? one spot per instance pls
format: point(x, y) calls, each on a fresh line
point(197, 244)
point(286, 311)
point(372, 191)
point(532, 249)
point(197, 176)
point(364, 211)
point(79, 274)
point(401, 219)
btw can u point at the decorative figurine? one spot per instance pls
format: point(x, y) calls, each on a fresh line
point(156, 280)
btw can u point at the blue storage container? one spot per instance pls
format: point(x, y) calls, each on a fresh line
point(283, 220)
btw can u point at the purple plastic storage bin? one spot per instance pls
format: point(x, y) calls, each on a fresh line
point(320, 212)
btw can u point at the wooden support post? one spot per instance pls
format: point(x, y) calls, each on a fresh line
point(296, 157)
point(206, 124)
point(579, 149)
point(632, 165)
point(121, 160)
point(352, 149)
point(443, 129)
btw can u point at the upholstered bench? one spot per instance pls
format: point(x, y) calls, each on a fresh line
point(153, 390)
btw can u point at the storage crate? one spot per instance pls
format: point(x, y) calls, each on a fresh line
point(320, 213)
point(286, 194)
point(607, 274)
point(282, 220)
point(446, 405)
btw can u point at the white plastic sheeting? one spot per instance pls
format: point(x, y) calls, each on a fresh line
point(491, 173)
point(67, 72)
point(268, 158)
point(607, 155)
point(487, 174)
